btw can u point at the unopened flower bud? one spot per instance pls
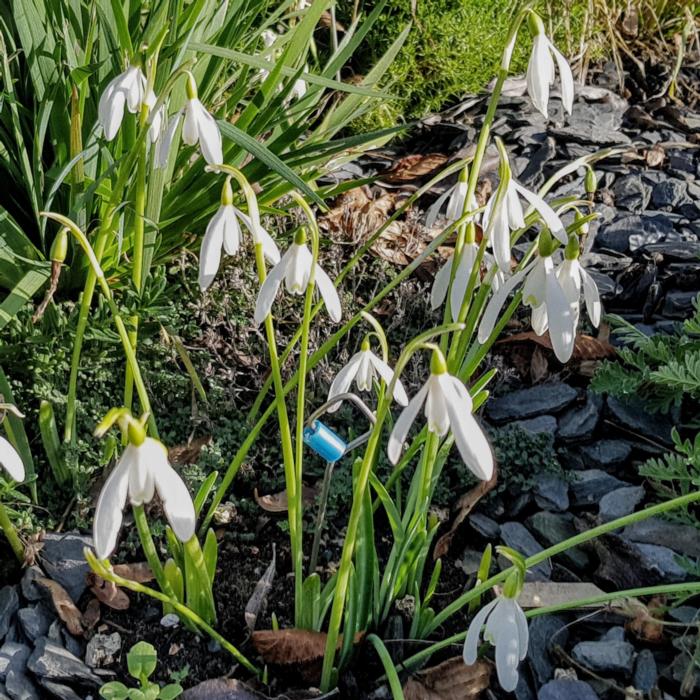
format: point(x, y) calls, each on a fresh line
point(59, 247)
point(591, 182)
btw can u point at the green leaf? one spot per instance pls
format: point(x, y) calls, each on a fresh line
point(122, 26)
point(142, 660)
point(30, 283)
point(170, 691)
point(211, 555)
point(114, 690)
point(204, 491)
point(266, 156)
point(52, 443)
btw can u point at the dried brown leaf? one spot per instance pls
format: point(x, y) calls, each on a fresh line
point(110, 594)
point(277, 502)
point(543, 594)
point(257, 602)
point(228, 688)
point(189, 452)
point(655, 156)
point(450, 680)
point(586, 347)
point(64, 605)
point(92, 614)
point(539, 366)
point(647, 623)
point(136, 571)
point(464, 506)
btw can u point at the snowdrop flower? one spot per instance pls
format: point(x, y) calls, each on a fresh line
point(364, 367)
point(200, 127)
point(506, 629)
point(10, 460)
point(540, 70)
point(128, 88)
point(164, 142)
point(299, 89)
point(572, 277)
point(295, 269)
point(156, 119)
point(142, 470)
point(543, 293)
point(448, 405)
point(456, 197)
point(504, 214)
point(224, 231)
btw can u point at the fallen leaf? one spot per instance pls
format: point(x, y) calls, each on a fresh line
point(412, 167)
point(64, 605)
point(189, 452)
point(277, 502)
point(92, 614)
point(647, 623)
point(110, 594)
point(464, 506)
point(542, 594)
point(136, 571)
point(655, 156)
point(228, 688)
point(257, 602)
point(539, 366)
point(293, 646)
point(586, 347)
point(450, 680)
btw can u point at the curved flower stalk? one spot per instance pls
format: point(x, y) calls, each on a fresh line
point(142, 470)
point(504, 213)
point(295, 269)
point(448, 406)
point(363, 368)
point(200, 127)
point(224, 231)
point(127, 89)
point(505, 627)
point(573, 277)
point(10, 460)
point(540, 70)
point(543, 293)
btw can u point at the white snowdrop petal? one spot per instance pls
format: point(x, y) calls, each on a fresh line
point(455, 204)
point(114, 115)
point(329, 294)
point(107, 520)
point(566, 77)
point(561, 328)
point(493, 308)
point(549, 216)
point(516, 217)
point(299, 269)
point(592, 297)
point(210, 251)
point(365, 372)
point(436, 407)
point(539, 320)
point(440, 284)
point(11, 461)
point(209, 136)
point(177, 502)
point(534, 285)
point(500, 240)
point(387, 374)
point(462, 275)
point(165, 142)
point(270, 287)
point(403, 424)
point(232, 230)
point(471, 642)
point(343, 380)
point(539, 74)
point(523, 632)
point(190, 129)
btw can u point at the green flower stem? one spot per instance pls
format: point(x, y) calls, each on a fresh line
point(149, 549)
point(670, 589)
point(563, 546)
point(12, 537)
point(106, 572)
point(118, 322)
point(389, 668)
point(358, 499)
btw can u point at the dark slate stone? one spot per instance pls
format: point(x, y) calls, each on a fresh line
point(632, 193)
point(632, 232)
point(687, 614)
point(523, 691)
point(517, 536)
point(552, 493)
point(679, 304)
point(605, 656)
point(485, 526)
point(614, 634)
point(589, 486)
point(63, 560)
point(669, 193)
point(679, 250)
point(681, 538)
point(620, 502)
point(580, 422)
point(537, 425)
point(9, 604)
point(13, 656)
point(532, 175)
point(59, 691)
point(20, 687)
point(663, 561)
point(30, 590)
point(545, 630)
point(632, 414)
point(682, 160)
point(645, 675)
point(565, 689)
point(3, 693)
point(526, 403)
point(54, 663)
point(35, 621)
point(606, 453)
point(552, 528)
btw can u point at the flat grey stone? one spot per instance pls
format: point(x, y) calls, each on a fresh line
point(519, 538)
point(63, 560)
point(55, 663)
point(605, 656)
point(683, 539)
point(9, 604)
point(103, 649)
point(535, 401)
point(13, 655)
point(632, 414)
point(30, 590)
point(551, 493)
point(35, 621)
point(679, 304)
point(662, 560)
point(632, 193)
point(579, 423)
point(537, 425)
point(19, 686)
point(605, 453)
point(59, 691)
point(485, 526)
point(589, 486)
point(620, 502)
point(565, 689)
point(645, 675)
point(552, 528)
point(634, 231)
point(545, 630)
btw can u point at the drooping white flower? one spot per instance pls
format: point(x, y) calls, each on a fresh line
point(141, 471)
point(200, 127)
point(156, 119)
point(164, 143)
point(572, 277)
point(298, 89)
point(363, 367)
point(224, 231)
point(127, 89)
point(506, 629)
point(448, 406)
point(10, 460)
point(455, 197)
point(543, 293)
point(540, 71)
point(295, 269)
point(507, 215)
